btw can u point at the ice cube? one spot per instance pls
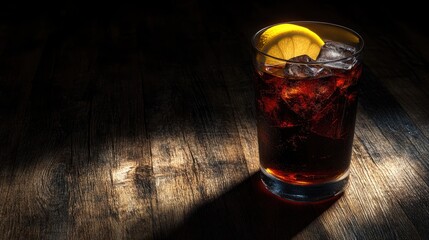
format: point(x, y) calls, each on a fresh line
point(301, 69)
point(301, 59)
point(328, 121)
point(307, 97)
point(332, 51)
point(335, 50)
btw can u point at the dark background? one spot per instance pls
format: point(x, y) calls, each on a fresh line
point(136, 121)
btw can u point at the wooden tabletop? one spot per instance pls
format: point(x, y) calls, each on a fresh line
point(137, 122)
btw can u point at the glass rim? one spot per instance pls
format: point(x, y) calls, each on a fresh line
point(358, 51)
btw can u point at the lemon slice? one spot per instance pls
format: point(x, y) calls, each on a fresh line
point(286, 41)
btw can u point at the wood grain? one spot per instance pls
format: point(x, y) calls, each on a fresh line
point(136, 121)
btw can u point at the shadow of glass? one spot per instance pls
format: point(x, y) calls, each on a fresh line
point(249, 211)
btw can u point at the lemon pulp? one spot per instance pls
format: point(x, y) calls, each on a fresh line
point(286, 41)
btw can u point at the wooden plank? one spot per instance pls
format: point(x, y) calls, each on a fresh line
point(31, 180)
point(192, 143)
point(138, 123)
point(112, 194)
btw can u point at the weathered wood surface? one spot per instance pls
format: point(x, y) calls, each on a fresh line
point(137, 122)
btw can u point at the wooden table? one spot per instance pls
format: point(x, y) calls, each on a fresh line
point(137, 122)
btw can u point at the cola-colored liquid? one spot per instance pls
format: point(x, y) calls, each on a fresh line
point(306, 125)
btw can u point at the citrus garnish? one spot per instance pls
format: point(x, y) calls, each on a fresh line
point(286, 41)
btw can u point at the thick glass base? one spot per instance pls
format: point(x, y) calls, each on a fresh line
point(304, 193)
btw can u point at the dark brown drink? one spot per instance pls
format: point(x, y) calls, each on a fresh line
point(306, 125)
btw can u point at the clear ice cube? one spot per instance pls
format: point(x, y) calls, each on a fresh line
point(307, 97)
point(328, 122)
point(301, 69)
point(332, 51)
